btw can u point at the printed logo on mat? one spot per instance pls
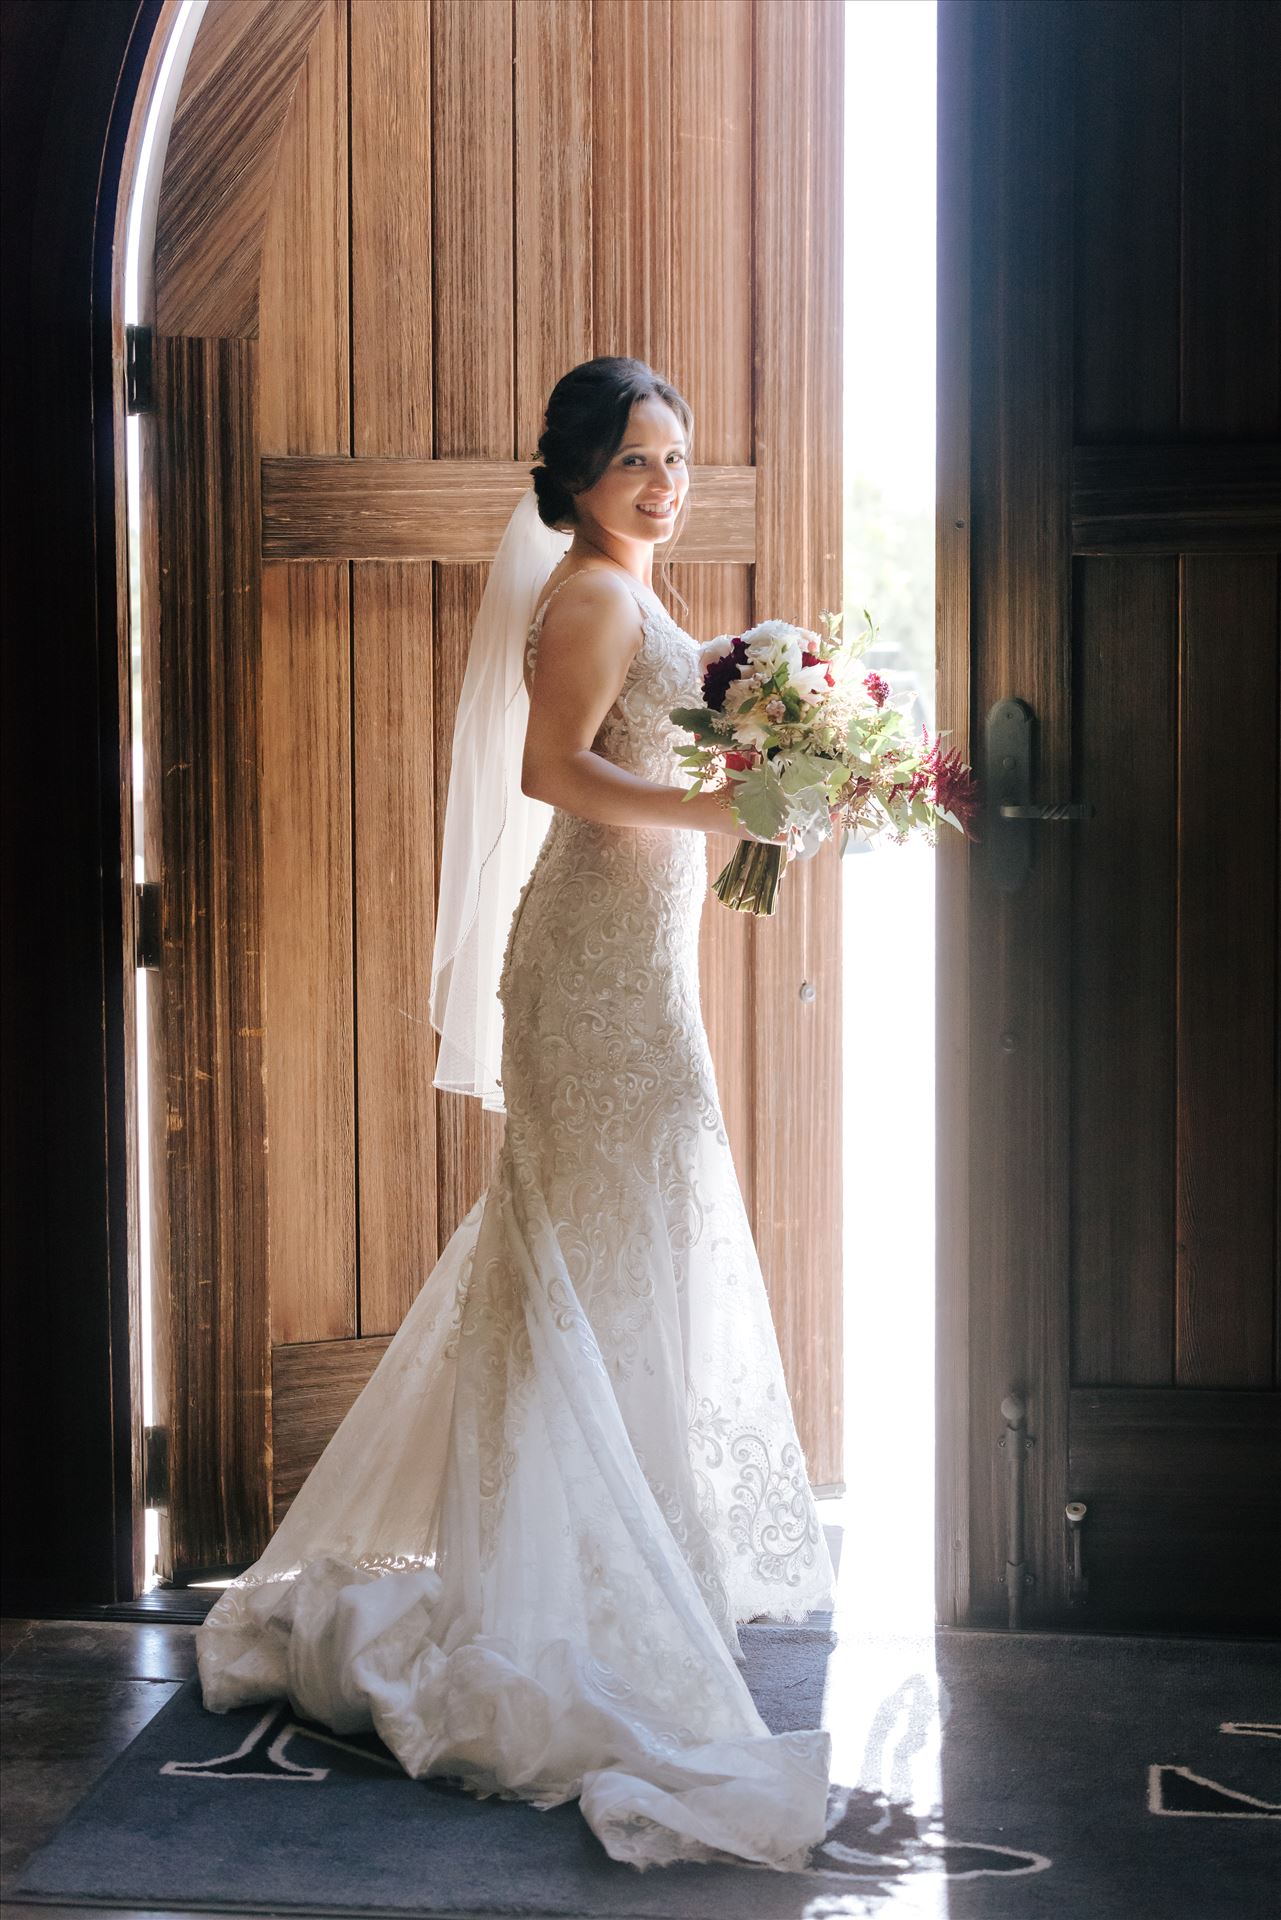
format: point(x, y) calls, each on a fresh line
point(1179, 1793)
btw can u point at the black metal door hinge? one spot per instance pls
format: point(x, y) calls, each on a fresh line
point(148, 943)
point(138, 392)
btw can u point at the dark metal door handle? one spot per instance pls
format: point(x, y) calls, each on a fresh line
point(1070, 810)
point(1008, 756)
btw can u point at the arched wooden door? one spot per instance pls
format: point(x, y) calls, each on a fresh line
point(385, 230)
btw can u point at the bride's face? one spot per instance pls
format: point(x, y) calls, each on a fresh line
point(641, 490)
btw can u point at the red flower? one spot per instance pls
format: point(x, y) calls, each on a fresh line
point(717, 677)
point(952, 783)
point(740, 761)
point(813, 660)
point(878, 688)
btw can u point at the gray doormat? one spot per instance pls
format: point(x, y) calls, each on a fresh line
point(1100, 1777)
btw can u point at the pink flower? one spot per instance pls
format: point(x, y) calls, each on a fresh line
point(878, 689)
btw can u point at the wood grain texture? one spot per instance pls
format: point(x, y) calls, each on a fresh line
point(954, 667)
point(218, 175)
point(1126, 238)
point(474, 333)
point(1231, 283)
point(455, 510)
point(394, 730)
point(711, 162)
point(553, 85)
point(313, 1387)
point(393, 127)
point(307, 957)
point(1227, 989)
point(632, 211)
point(473, 319)
point(1018, 953)
point(308, 977)
point(394, 391)
point(211, 880)
point(1126, 689)
point(580, 177)
point(797, 295)
point(1160, 1469)
point(1177, 498)
point(302, 302)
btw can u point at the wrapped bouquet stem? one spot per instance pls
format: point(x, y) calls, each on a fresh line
point(750, 878)
point(809, 749)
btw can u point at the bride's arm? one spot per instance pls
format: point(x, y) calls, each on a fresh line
point(585, 647)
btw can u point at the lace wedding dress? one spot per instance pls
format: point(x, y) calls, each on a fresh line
point(522, 1556)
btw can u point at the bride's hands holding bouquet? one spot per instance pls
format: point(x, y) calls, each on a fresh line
point(799, 744)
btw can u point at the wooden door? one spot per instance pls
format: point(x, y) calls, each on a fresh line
point(1109, 530)
point(385, 231)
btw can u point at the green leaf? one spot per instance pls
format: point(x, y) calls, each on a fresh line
point(799, 771)
point(760, 800)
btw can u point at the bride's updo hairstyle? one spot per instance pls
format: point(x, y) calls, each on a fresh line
point(583, 428)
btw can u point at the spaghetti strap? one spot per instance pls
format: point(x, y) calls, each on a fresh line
point(637, 585)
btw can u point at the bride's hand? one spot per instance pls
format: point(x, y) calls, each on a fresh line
point(709, 811)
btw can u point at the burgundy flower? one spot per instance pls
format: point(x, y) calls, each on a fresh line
point(717, 677)
point(951, 782)
point(878, 688)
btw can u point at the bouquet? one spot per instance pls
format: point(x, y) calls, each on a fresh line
point(807, 746)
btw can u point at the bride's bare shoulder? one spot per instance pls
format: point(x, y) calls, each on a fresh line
point(591, 596)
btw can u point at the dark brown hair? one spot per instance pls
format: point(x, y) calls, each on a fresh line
point(583, 428)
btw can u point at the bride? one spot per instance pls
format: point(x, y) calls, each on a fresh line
point(523, 1555)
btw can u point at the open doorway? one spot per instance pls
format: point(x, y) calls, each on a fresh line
point(888, 891)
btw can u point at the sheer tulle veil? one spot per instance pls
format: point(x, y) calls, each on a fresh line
point(492, 830)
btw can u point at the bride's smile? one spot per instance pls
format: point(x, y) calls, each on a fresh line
point(636, 503)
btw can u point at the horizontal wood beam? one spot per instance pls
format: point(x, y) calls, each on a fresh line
point(329, 507)
point(314, 1384)
point(1176, 499)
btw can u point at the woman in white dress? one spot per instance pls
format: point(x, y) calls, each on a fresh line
point(524, 1554)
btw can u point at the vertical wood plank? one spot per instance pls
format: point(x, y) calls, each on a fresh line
point(472, 269)
point(711, 299)
point(211, 879)
point(1227, 1006)
point(1018, 961)
point(1126, 222)
point(307, 965)
point(798, 118)
point(954, 642)
point(475, 325)
point(393, 110)
point(306, 776)
point(1231, 314)
point(632, 179)
point(302, 302)
point(1123, 975)
point(553, 206)
point(395, 915)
